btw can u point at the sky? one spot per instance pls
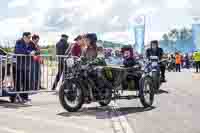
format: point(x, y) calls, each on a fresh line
point(110, 19)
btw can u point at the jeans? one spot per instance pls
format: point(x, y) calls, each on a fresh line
point(22, 81)
point(178, 67)
point(35, 75)
point(162, 69)
point(197, 63)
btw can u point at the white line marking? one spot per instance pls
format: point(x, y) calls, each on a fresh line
point(10, 130)
point(122, 121)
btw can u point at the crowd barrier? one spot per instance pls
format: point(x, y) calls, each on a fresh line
point(29, 74)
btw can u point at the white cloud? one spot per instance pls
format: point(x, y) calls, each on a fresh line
point(108, 17)
point(17, 3)
point(136, 2)
point(115, 20)
point(146, 11)
point(15, 28)
point(123, 37)
point(177, 3)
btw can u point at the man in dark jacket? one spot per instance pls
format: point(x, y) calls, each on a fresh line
point(22, 71)
point(61, 48)
point(154, 50)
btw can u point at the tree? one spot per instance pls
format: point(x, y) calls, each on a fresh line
point(173, 35)
point(185, 34)
point(165, 37)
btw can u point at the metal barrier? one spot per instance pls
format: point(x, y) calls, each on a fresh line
point(22, 74)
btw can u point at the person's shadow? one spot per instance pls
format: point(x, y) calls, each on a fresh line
point(7, 104)
point(160, 91)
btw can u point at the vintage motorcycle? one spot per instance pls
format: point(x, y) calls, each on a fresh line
point(152, 68)
point(90, 82)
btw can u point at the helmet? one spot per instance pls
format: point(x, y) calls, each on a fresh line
point(154, 42)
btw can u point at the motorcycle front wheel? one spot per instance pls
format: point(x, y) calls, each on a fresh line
point(156, 80)
point(146, 92)
point(71, 96)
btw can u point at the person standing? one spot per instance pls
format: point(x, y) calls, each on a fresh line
point(100, 52)
point(76, 49)
point(178, 62)
point(61, 48)
point(196, 57)
point(21, 74)
point(36, 61)
point(187, 61)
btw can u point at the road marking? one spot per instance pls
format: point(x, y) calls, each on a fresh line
point(10, 130)
point(120, 123)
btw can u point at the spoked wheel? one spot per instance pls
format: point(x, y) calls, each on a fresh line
point(71, 96)
point(107, 97)
point(146, 92)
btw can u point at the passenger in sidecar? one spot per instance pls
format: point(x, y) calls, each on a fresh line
point(134, 72)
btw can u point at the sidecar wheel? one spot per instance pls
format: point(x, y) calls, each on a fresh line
point(146, 92)
point(104, 103)
point(71, 96)
point(108, 98)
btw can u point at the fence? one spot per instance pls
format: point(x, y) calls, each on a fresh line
point(22, 74)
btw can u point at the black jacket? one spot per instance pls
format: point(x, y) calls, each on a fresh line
point(61, 47)
point(158, 52)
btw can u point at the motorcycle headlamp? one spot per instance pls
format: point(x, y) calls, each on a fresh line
point(154, 57)
point(70, 62)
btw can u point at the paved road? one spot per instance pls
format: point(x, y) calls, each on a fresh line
point(176, 110)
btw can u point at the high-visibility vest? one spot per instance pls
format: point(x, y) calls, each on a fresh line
point(196, 56)
point(178, 59)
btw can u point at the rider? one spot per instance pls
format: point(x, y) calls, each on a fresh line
point(155, 50)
